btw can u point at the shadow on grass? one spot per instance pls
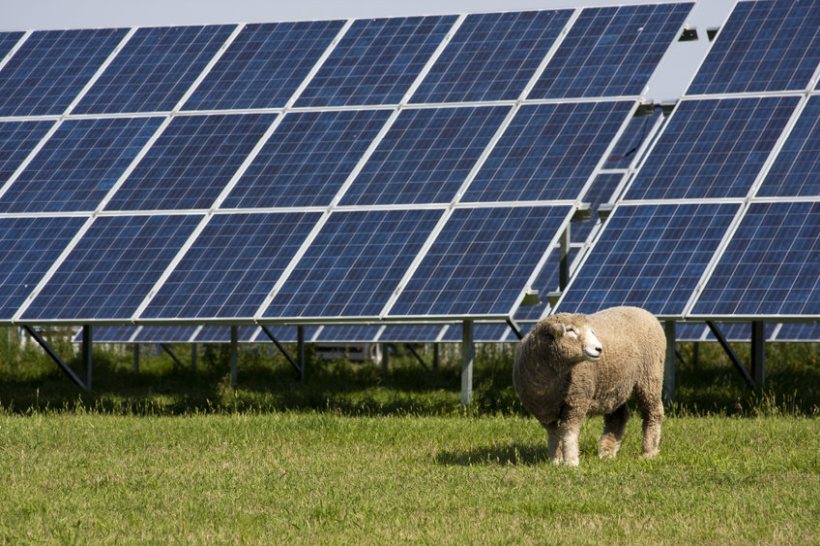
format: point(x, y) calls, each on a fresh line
point(511, 454)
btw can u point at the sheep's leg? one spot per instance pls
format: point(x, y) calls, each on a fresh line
point(614, 426)
point(554, 443)
point(652, 415)
point(568, 430)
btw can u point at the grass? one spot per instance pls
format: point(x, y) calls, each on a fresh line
point(318, 478)
point(357, 456)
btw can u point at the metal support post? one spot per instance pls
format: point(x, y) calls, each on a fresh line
point(194, 356)
point(467, 360)
point(385, 358)
point(88, 356)
point(234, 357)
point(136, 358)
point(696, 355)
point(300, 350)
point(436, 356)
point(563, 270)
point(669, 362)
point(758, 354)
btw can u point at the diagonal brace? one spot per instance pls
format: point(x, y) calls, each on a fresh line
point(417, 355)
point(731, 354)
point(55, 357)
point(282, 350)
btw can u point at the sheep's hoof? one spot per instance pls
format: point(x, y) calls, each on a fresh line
point(556, 460)
point(649, 454)
point(607, 455)
point(571, 462)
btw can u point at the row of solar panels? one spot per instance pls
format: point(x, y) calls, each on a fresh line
point(449, 208)
point(418, 333)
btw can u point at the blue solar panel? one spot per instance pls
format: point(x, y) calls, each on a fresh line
point(51, 68)
point(154, 69)
point(354, 264)
point(689, 331)
point(286, 333)
point(17, 140)
point(548, 152)
point(799, 331)
point(482, 333)
point(480, 261)
point(771, 265)
point(492, 56)
point(795, 171)
point(425, 156)
point(636, 132)
point(307, 159)
point(712, 148)
point(649, 256)
point(78, 165)
point(376, 61)
point(222, 334)
point(108, 334)
point(411, 333)
point(7, 41)
point(349, 332)
point(112, 268)
point(163, 334)
point(611, 51)
point(28, 247)
point(264, 65)
point(601, 191)
point(764, 46)
point(232, 266)
point(191, 162)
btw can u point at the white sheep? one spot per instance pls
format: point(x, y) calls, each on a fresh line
point(571, 365)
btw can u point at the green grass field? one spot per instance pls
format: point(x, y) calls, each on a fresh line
point(356, 456)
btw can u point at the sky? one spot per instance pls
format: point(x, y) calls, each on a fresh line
point(671, 78)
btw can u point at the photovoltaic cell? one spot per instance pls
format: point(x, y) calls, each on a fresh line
point(650, 256)
point(264, 65)
point(232, 266)
point(770, 266)
point(191, 162)
point(795, 171)
point(7, 41)
point(164, 334)
point(425, 156)
point(222, 334)
point(630, 141)
point(78, 165)
point(799, 331)
point(348, 332)
point(548, 152)
point(611, 51)
point(51, 68)
point(28, 247)
point(411, 333)
point(154, 69)
point(492, 56)
point(689, 331)
point(17, 140)
point(480, 262)
point(286, 333)
point(307, 159)
point(108, 334)
point(482, 333)
point(712, 148)
point(376, 61)
point(112, 268)
point(764, 46)
point(354, 264)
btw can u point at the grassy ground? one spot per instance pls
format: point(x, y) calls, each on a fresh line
point(355, 455)
point(318, 478)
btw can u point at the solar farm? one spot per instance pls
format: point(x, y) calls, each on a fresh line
point(427, 187)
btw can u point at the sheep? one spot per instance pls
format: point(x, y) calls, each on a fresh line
point(571, 365)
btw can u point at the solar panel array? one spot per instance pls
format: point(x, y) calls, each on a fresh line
point(721, 220)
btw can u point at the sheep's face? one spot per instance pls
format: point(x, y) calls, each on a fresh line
point(573, 338)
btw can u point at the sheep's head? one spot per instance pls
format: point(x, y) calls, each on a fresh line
point(573, 338)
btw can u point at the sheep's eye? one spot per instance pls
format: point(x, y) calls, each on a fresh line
point(572, 332)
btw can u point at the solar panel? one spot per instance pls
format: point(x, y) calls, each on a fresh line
point(17, 140)
point(376, 61)
point(49, 70)
point(232, 266)
point(354, 264)
point(287, 333)
point(307, 159)
point(163, 334)
point(348, 333)
point(794, 172)
point(425, 156)
point(548, 152)
point(628, 144)
point(492, 56)
point(191, 162)
point(222, 334)
point(264, 65)
point(78, 165)
point(108, 334)
point(770, 266)
point(712, 148)
point(650, 256)
point(799, 331)
point(7, 42)
point(764, 46)
point(546, 282)
point(154, 69)
point(482, 333)
point(411, 333)
point(112, 268)
point(689, 331)
point(481, 261)
point(601, 191)
point(611, 51)
point(28, 247)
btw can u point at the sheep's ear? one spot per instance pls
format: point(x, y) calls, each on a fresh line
point(556, 329)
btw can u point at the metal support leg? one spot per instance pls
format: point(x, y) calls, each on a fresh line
point(295, 365)
point(88, 356)
point(696, 355)
point(669, 362)
point(436, 356)
point(417, 356)
point(194, 355)
point(467, 360)
point(758, 354)
point(300, 349)
point(730, 353)
point(385, 358)
point(563, 270)
point(234, 357)
point(174, 359)
point(136, 358)
point(55, 357)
